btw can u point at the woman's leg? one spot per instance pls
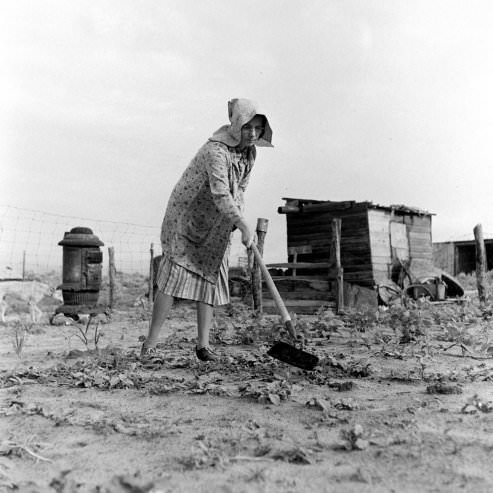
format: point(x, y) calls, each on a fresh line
point(162, 306)
point(205, 314)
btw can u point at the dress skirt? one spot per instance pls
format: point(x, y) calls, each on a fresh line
point(176, 281)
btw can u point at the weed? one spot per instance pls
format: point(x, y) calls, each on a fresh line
point(21, 332)
point(469, 281)
point(326, 323)
point(353, 438)
point(84, 334)
point(202, 456)
point(361, 320)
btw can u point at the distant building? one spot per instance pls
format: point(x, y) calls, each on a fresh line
point(456, 257)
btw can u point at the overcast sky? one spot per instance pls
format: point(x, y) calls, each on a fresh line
point(104, 103)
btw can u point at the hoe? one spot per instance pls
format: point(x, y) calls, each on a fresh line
point(282, 350)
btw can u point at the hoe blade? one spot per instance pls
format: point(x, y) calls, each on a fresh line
point(293, 356)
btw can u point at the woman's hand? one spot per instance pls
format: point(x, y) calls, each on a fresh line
point(247, 235)
point(247, 238)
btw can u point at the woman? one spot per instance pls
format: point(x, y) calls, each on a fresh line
point(205, 206)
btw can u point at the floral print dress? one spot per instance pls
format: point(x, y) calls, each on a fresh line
point(204, 206)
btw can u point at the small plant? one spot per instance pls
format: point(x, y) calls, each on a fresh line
point(362, 320)
point(84, 334)
point(327, 322)
point(352, 438)
point(21, 332)
point(411, 322)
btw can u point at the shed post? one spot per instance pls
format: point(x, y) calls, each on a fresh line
point(480, 263)
point(335, 254)
point(262, 226)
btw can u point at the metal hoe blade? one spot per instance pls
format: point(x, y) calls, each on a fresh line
point(293, 356)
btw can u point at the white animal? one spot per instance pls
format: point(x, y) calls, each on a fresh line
point(32, 292)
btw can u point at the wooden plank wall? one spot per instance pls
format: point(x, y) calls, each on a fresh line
point(420, 245)
point(444, 257)
point(314, 228)
point(379, 227)
point(419, 236)
point(300, 295)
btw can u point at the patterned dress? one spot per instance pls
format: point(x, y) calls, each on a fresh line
point(204, 206)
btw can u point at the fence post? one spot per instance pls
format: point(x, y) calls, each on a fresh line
point(111, 275)
point(336, 262)
point(480, 263)
point(262, 226)
point(24, 265)
point(151, 275)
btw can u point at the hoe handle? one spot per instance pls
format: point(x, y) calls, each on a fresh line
point(286, 318)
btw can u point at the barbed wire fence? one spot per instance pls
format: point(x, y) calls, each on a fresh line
point(29, 242)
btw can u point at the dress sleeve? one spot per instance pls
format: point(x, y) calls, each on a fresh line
point(216, 165)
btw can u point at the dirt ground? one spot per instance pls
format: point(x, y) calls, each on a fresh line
point(401, 402)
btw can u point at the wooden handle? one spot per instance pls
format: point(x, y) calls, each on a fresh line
point(270, 284)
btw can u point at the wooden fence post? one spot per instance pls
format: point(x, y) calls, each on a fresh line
point(336, 262)
point(262, 226)
point(480, 263)
point(111, 275)
point(151, 275)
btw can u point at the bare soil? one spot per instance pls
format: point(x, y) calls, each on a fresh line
point(381, 413)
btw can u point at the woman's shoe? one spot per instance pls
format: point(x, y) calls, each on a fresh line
point(205, 354)
point(147, 352)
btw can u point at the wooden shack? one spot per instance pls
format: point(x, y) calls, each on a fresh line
point(375, 243)
point(456, 257)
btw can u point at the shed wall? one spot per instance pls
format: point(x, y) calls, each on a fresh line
point(379, 227)
point(387, 251)
point(314, 229)
point(420, 245)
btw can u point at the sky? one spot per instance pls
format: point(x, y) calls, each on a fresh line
point(104, 103)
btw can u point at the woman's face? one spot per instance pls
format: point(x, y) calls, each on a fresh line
point(252, 131)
